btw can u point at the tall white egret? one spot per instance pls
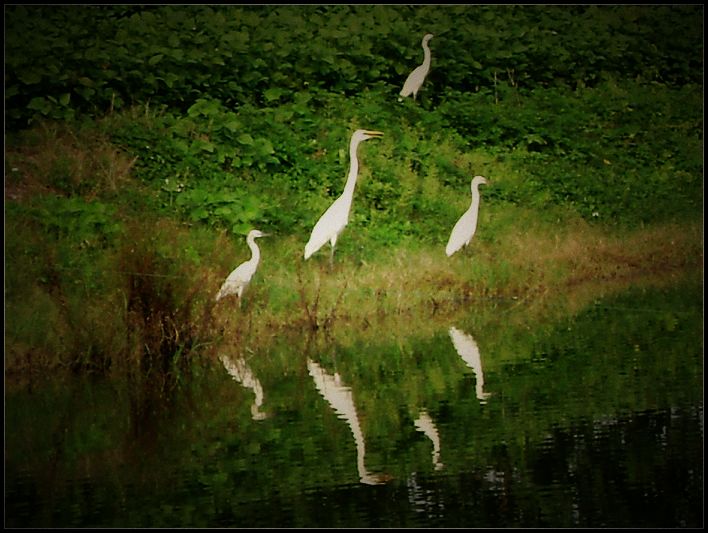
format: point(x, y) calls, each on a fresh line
point(464, 229)
point(241, 276)
point(333, 221)
point(415, 79)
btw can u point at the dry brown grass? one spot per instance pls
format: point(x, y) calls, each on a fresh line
point(589, 254)
point(406, 290)
point(403, 292)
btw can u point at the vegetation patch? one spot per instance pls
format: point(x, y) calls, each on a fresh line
point(136, 163)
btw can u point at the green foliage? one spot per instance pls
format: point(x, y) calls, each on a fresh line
point(94, 58)
point(181, 124)
point(218, 119)
point(227, 209)
point(86, 224)
point(63, 241)
point(610, 152)
point(105, 288)
point(247, 108)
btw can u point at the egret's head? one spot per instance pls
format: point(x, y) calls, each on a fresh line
point(257, 233)
point(362, 135)
point(478, 180)
point(427, 37)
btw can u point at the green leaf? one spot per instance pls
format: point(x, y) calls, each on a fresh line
point(246, 139)
point(39, 103)
point(200, 213)
point(203, 146)
point(224, 211)
point(273, 94)
point(232, 125)
point(264, 147)
point(30, 77)
point(240, 228)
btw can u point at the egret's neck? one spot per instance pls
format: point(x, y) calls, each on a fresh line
point(426, 58)
point(255, 252)
point(475, 197)
point(353, 171)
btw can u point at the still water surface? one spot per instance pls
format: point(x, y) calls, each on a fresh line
point(503, 418)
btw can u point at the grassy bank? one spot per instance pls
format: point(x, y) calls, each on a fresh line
point(111, 271)
point(146, 304)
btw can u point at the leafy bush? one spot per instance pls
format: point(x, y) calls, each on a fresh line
point(94, 58)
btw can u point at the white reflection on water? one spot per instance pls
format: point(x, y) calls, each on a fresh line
point(425, 424)
point(342, 401)
point(241, 372)
point(469, 351)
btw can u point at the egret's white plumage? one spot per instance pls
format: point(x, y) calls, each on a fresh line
point(241, 276)
point(464, 230)
point(333, 221)
point(415, 79)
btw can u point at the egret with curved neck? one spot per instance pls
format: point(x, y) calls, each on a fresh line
point(333, 221)
point(466, 226)
point(241, 276)
point(415, 79)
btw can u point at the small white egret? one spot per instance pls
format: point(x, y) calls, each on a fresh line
point(333, 221)
point(464, 230)
point(415, 79)
point(241, 276)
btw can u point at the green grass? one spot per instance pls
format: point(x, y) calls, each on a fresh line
point(151, 292)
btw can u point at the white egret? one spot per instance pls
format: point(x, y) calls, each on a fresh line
point(241, 276)
point(333, 221)
point(464, 230)
point(415, 79)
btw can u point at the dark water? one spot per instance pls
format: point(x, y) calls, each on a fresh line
point(500, 419)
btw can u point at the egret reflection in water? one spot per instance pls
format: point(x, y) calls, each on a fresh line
point(469, 351)
point(426, 425)
point(241, 372)
point(341, 399)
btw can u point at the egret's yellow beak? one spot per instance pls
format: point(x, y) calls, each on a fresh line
point(373, 133)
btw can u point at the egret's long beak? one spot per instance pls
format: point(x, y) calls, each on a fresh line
point(374, 133)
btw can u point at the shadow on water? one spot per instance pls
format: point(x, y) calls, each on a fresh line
point(239, 369)
point(495, 417)
point(469, 352)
